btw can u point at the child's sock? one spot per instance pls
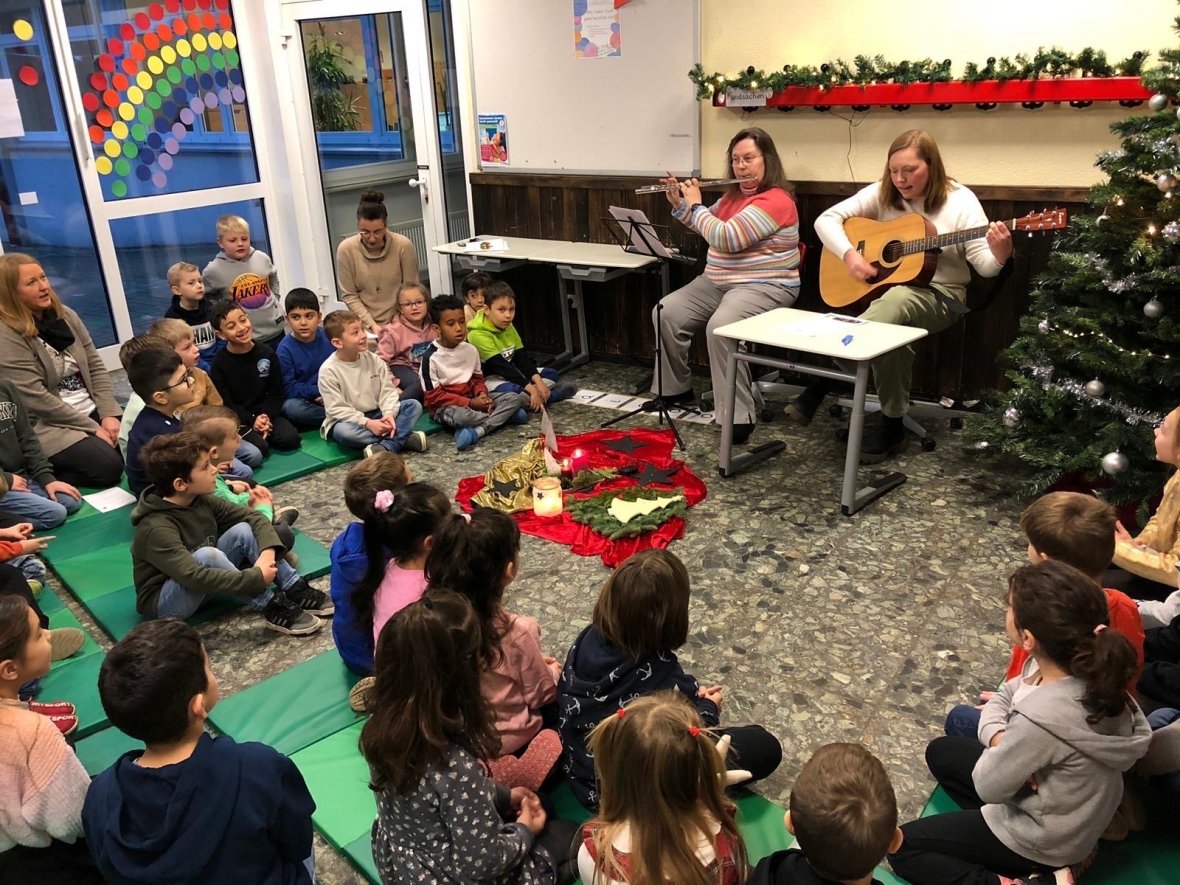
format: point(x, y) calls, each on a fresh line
point(466, 437)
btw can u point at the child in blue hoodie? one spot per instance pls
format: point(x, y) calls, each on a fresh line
point(189, 807)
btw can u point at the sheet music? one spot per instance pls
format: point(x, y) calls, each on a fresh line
point(640, 231)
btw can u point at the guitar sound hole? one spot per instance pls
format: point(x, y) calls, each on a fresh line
point(892, 253)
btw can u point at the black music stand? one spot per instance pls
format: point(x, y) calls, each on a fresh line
point(640, 236)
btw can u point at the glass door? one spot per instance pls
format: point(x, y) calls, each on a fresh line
point(374, 82)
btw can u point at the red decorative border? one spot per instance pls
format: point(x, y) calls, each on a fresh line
point(1081, 89)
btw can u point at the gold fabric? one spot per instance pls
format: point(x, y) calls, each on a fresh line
point(520, 468)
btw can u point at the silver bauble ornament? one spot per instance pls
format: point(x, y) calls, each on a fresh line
point(1171, 231)
point(1044, 326)
point(1165, 182)
point(1178, 113)
point(1114, 463)
point(1095, 388)
point(1153, 308)
point(1158, 102)
point(1011, 417)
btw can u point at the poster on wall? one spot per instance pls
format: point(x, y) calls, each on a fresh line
point(493, 139)
point(596, 29)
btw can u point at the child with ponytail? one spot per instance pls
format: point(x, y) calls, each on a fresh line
point(439, 817)
point(672, 824)
point(355, 548)
point(1045, 777)
point(478, 555)
point(42, 783)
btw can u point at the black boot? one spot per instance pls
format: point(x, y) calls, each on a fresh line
point(803, 408)
point(883, 440)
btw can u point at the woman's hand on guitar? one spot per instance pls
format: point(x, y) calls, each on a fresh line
point(999, 240)
point(858, 267)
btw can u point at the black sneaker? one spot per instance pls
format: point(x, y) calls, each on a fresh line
point(287, 515)
point(284, 616)
point(313, 601)
point(742, 433)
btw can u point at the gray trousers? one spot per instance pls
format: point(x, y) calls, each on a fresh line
point(504, 406)
point(702, 304)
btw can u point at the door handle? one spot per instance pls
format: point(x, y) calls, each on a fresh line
point(416, 182)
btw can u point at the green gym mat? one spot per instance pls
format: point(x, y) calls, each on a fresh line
point(282, 466)
point(338, 779)
point(328, 452)
point(93, 574)
point(360, 852)
point(49, 601)
point(314, 558)
point(98, 752)
point(101, 530)
point(116, 613)
point(78, 684)
point(294, 709)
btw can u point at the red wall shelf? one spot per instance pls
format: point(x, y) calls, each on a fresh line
point(1074, 89)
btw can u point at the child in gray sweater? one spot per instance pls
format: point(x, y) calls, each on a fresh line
point(247, 277)
point(1046, 775)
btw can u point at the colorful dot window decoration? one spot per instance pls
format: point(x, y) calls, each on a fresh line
point(23, 31)
point(166, 67)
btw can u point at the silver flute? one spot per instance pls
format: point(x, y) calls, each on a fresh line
point(661, 188)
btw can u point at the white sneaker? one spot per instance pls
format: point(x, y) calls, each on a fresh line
point(416, 442)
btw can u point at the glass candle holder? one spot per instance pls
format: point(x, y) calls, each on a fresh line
point(547, 500)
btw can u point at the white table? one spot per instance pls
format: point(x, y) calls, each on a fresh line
point(805, 331)
point(574, 262)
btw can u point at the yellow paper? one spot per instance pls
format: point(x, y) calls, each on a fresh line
point(625, 511)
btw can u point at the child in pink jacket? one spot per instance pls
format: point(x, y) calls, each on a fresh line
point(402, 342)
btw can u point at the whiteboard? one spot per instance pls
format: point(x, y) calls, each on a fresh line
point(635, 114)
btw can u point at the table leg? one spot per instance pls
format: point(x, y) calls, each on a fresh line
point(852, 498)
point(728, 463)
point(583, 354)
point(564, 359)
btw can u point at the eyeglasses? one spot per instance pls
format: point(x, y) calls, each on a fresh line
point(413, 303)
point(188, 379)
point(746, 160)
point(372, 234)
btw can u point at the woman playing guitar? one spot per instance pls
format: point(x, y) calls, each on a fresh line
point(914, 180)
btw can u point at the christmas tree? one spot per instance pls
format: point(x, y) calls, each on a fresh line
point(1096, 364)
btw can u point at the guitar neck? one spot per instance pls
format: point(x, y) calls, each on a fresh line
point(927, 244)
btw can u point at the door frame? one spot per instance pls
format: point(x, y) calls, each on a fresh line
point(299, 132)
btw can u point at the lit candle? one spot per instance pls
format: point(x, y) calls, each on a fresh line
point(578, 461)
point(547, 500)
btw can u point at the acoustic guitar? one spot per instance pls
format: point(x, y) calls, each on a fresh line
point(904, 251)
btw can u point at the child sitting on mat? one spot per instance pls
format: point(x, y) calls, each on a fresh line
point(402, 342)
point(358, 546)
point(472, 287)
point(1078, 530)
point(440, 818)
point(189, 807)
point(44, 784)
point(1045, 777)
point(478, 555)
point(401, 524)
point(843, 817)
point(454, 388)
point(190, 545)
point(504, 362)
point(629, 649)
point(671, 824)
point(217, 428)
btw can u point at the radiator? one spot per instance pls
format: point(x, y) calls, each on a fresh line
point(456, 221)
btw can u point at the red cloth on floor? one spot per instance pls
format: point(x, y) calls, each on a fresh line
point(655, 448)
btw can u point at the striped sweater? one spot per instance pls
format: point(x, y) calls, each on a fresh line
point(753, 238)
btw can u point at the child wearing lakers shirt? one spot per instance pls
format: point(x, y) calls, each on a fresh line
point(244, 275)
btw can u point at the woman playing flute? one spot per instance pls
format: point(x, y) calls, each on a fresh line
point(752, 267)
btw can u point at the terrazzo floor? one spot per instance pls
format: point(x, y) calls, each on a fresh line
point(821, 627)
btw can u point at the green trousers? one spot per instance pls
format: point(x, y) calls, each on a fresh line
point(933, 309)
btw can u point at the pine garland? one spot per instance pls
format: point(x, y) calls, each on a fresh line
point(595, 512)
point(865, 71)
